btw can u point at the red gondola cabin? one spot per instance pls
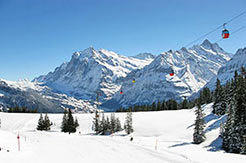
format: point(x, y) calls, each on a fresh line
point(225, 34)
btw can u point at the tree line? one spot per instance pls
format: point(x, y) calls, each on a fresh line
point(230, 100)
point(206, 97)
point(18, 109)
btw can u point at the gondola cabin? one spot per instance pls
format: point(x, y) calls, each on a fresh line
point(171, 74)
point(225, 34)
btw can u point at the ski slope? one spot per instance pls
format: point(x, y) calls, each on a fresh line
point(159, 137)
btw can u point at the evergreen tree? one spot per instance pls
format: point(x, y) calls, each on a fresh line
point(158, 107)
point(243, 148)
point(108, 127)
point(207, 97)
point(199, 134)
point(68, 123)
point(128, 123)
point(64, 126)
point(47, 123)
point(96, 122)
point(113, 126)
point(40, 123)
point(184, 104)
point(228, 127)
point(218, 98)
point(103, 125)
point(118, 125)
point(153, 107)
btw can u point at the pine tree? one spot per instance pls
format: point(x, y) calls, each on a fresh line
point(47, 123)
point(153, 107)
point(207, 97)
point(68, 123)
point(184, 104)
point(96, 122)
point(199, 134)
point(113, 123)
point(108, 127)
point(158, 107)
point(128, 123)
point(218, 98)
point(118, 125)
point(228, 127)
point(103, 125)
point(243, 147)
point(40, 123)
point(64, 126)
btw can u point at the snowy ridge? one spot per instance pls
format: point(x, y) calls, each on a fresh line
point(92, 71)
point(34, 96)
point(192, 68)
point(226, 72)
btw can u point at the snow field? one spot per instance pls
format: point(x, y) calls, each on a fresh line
point(159, 137)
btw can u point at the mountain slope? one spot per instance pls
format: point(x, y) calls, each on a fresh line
point(33, 96)
point(90, 72)
point(192, 68)
point(158, 137)
point(226, 72)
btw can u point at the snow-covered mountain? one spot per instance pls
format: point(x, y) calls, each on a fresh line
point(192, 68)
point(226, 72)
point(90, 72)
point(33, 96)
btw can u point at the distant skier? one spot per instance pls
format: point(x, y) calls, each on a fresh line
point(131, 139)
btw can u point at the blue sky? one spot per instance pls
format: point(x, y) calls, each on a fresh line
point(38, 35)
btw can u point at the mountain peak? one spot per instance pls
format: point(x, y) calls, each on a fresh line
point(206, 43)
point(240, 52)
point(86, 52)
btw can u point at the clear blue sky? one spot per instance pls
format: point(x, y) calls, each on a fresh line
point(38, 35)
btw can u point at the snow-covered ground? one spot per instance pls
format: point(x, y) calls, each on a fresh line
point(164, 136)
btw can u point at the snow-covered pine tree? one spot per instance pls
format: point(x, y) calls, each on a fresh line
point(218, 97)
point(229, 125)
point(113, 123)
point(103, 126)
point(118, 125)
point(108, 127)
point(240, 113)
point(40, 123)
point(128, 123)
point(47, 123)
point(199, 134)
